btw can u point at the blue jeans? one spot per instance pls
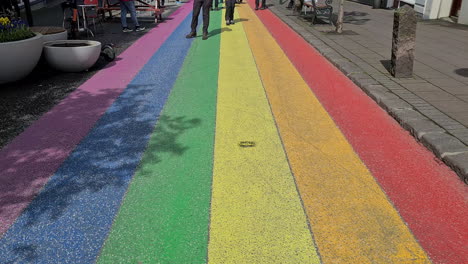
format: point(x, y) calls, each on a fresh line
point(128, 7)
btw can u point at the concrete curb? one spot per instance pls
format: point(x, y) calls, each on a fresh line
point(437, 139)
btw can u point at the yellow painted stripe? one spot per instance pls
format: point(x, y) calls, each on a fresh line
point(352, 220)
point(256, 214)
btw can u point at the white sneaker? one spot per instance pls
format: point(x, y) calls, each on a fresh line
point(138, 29)
point(126, 30)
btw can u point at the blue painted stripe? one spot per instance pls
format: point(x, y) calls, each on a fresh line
point(71, 217)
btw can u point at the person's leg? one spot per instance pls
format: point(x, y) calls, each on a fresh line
point(197, 4)
point(206, 16)
point(256, 4)
point(132, 9)
point(227, 14)
point(233, 3)
point(216, 4)
point(264, 4)
point(123, 14)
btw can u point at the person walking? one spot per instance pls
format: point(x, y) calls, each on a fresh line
point(216, 5)
point(197, 5)
point(257, 2)
point(128, 6)
point(230, 5)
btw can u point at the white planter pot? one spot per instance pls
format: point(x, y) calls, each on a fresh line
point(72, 59)
point(19, 58)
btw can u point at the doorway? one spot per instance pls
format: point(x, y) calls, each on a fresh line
point(456, 6)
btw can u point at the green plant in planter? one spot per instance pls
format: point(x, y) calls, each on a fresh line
point(13, 30)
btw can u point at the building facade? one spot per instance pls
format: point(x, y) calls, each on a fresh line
point(433, 9)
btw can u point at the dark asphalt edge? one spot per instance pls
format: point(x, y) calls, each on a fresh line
point(438, 140)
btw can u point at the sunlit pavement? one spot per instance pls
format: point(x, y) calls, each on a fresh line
point(248, 147)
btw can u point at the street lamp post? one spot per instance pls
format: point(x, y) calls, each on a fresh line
point(27, 8)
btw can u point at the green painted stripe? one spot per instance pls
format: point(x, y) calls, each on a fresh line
point(165, 215)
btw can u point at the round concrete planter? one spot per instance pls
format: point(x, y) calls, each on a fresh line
point(18, 58)
point(72, 58)
point(51, 33)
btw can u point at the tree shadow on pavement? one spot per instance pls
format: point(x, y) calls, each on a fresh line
point(238, 20)
point(218, 31)
point(105, 157)
point(354, 18)
point(462, 72)
point(104, 161)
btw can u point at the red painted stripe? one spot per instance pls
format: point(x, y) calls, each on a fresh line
point(428, 195)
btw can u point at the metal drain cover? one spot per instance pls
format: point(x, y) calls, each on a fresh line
point(247, 144)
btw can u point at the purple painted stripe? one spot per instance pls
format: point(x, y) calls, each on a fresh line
point(27, 163)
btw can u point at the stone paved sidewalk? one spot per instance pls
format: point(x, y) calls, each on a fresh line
point(433, 105)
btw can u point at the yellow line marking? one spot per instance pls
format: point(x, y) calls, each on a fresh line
point(352, 220)
point(256, 213)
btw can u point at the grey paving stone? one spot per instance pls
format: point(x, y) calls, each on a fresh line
point(433, 96)
point(458, 91)
point(459, 163)
point(374, 88)
point(405, 115)
point(443, 144)
point(451, 106)
point(394, 104)
point(348, 68)
point(452, 126)
point(420, 86)
point(461, 117)
point(363, 82)
point(446, 82)
point(420, 127)
point(358, 75)
point(409, 81)
point(378, 95)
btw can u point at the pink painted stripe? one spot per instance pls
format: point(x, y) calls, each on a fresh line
point(27, 163)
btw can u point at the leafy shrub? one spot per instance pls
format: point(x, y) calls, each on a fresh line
point(13, 30)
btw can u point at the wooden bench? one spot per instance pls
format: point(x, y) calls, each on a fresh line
point(320, 7)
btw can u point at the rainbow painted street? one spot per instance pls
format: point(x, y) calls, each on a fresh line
point(248, 147)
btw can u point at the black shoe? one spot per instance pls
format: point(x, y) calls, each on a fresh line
point(205, 36)
point(256, 8)
point(191, 35)
point(138, 29)
point(262, 8)
point(228, 23)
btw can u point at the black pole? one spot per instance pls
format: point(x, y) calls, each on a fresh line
point(27, 8)
point(375, 5)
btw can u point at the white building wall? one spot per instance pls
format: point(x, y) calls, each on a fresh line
point(463, 17)
point(434, 9)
